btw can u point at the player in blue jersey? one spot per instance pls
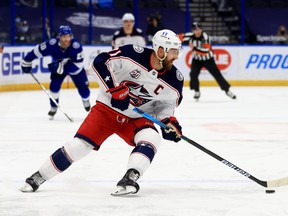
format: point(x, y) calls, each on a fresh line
point(130, 76)
point(67, 54)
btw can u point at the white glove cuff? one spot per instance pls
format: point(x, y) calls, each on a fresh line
point(26, 64)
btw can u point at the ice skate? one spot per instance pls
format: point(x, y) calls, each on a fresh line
point(197, 95)
point(87, 105)
point(128, 185)
point(230, 94)
point(32, 183)
point(52, 113)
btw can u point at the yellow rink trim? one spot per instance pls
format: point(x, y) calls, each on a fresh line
point(70, 85)
point(245, 83)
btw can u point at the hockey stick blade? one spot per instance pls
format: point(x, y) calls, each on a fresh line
point(50, 96)
point(277, 182)
point(267, 184)
point(124, 192)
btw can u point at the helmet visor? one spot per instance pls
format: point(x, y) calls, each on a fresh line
point(175, 52)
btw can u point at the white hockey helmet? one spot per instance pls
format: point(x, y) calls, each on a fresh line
point(128, 16)
point(167, 39)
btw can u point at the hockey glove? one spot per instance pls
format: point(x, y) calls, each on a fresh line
point(56, 67)
point(26, 66)
point(120, 97)
point(174, 131)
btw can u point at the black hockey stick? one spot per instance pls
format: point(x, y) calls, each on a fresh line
point(267, 184)
point(50, 96)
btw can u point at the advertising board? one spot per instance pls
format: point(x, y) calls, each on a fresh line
point(241, 65)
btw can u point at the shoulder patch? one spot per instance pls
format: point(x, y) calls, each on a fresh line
point(179, 75)
point(139, 30)
point(43, 46)
point(138, 49)
point(52, 41)
point(75, 45)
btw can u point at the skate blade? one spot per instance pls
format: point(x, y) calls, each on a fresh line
point(26, 188)
point(51, 117)
point(124, 192)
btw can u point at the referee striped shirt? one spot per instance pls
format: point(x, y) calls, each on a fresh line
point(202, 46)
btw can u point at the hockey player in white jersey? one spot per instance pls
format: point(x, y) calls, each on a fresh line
point(128, 34)
point(130, 76)
point(67, 54)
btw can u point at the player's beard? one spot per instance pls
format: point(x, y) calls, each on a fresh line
point(167, 64)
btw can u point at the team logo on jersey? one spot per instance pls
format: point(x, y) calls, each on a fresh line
point(135, 74)
point(76, 45)
point(52, 41)
point(138, 49)
point(139, 95)
point(179, 75)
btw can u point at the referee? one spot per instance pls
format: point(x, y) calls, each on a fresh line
point(203, 56)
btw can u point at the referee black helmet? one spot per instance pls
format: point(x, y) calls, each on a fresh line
point(196, 25)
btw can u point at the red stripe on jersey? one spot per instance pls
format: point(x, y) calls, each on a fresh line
point(101, 79)
point(169, 86)
point(114, 52)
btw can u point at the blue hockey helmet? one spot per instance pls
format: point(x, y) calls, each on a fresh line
point(64, 30)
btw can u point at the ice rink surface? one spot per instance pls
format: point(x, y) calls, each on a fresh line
point(251, 132)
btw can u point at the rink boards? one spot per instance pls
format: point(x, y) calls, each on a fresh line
point(240, 65)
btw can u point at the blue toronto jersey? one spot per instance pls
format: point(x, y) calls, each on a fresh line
point(156, 92)
point(72, 56)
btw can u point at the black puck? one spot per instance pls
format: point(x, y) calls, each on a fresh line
point(270, 191)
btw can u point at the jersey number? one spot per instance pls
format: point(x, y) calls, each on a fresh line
point(79, 56)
